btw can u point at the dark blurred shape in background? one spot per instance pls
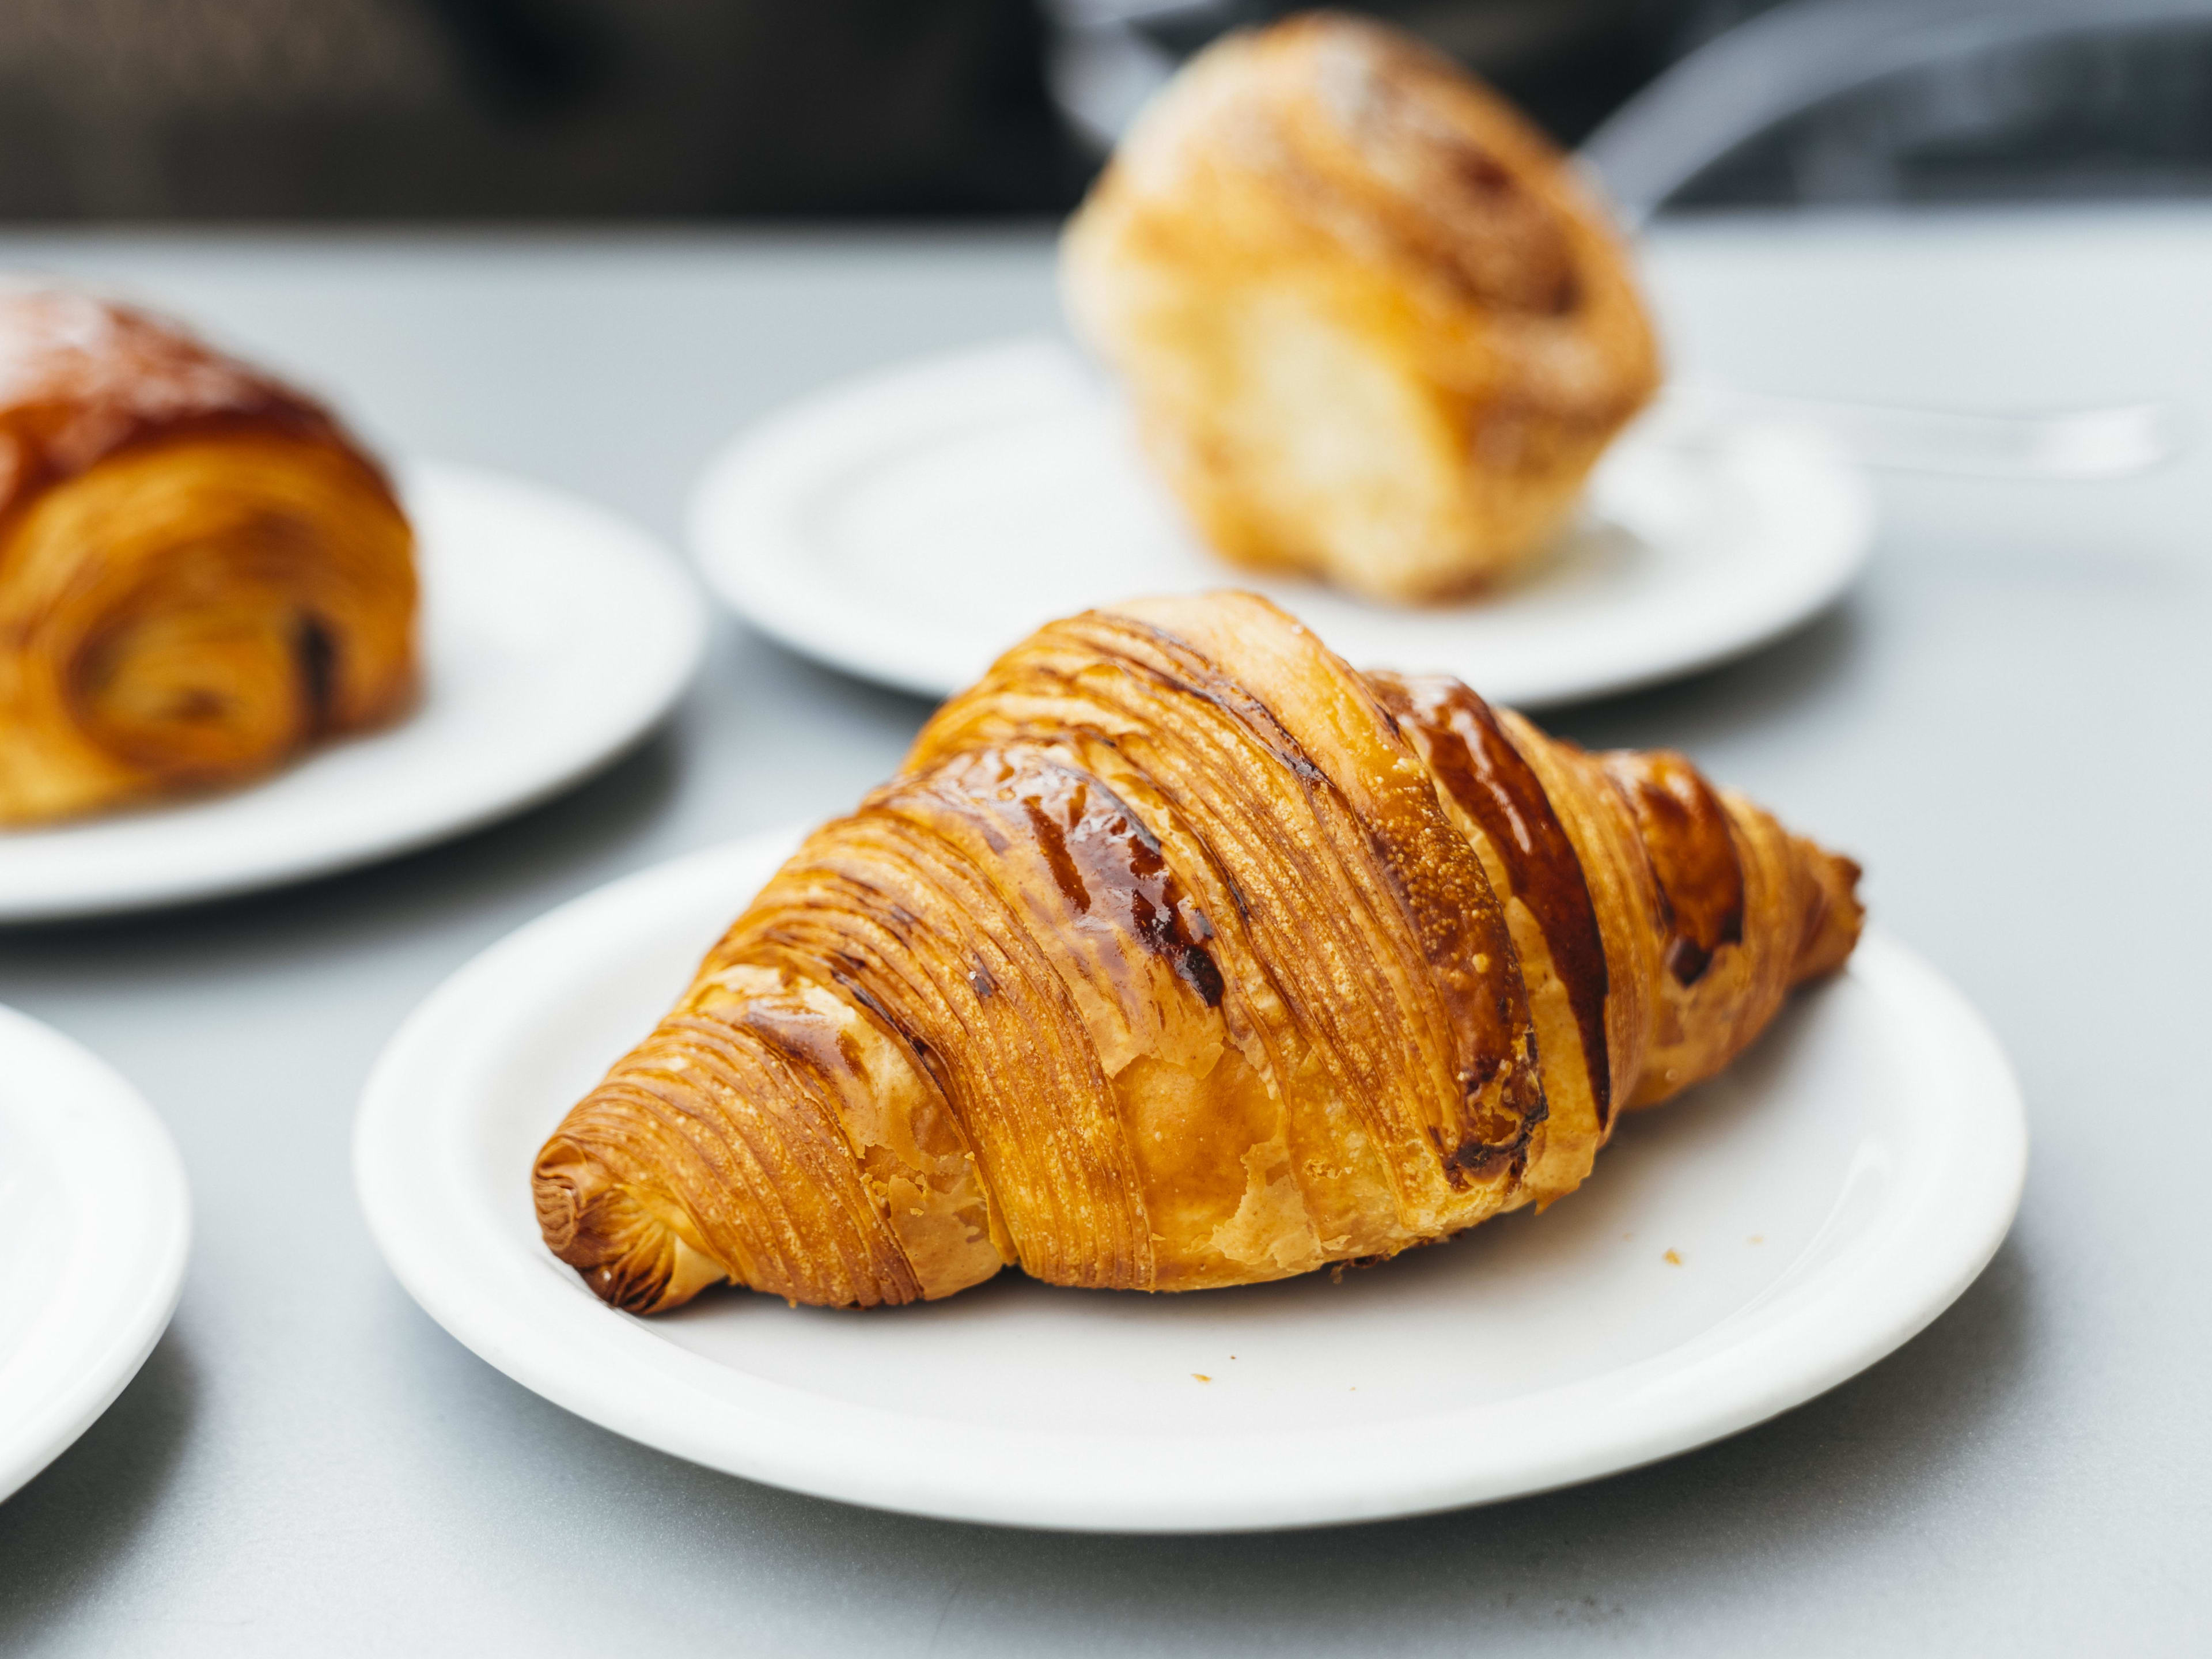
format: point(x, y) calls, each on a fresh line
point(566, 109)
point(200, 109)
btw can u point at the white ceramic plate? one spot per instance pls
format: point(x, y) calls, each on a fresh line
point(555, 634)
point(92, 1256)
point(910, 528)
point(1825, 1199)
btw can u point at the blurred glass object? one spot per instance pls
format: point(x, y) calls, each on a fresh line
point(1861, 101)
point(2121, 112)
point(1105, 63)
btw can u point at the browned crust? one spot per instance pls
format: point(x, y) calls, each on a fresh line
point(1693, 852)
point(1476, 764)
point(83, 378)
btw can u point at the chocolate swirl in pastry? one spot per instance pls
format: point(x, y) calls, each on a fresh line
point(1374, 326)
point(1182, 955)
point(200, 572)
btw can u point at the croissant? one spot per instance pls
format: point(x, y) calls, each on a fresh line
point(200, 572)
point(1182, 955)
point(1373, 326)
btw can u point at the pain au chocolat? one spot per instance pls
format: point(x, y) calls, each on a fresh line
point(1373, 325)
point(1182, 955)
point(201, 573)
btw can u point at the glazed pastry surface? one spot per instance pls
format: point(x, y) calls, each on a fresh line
point(1182, 955)
point(1374, 326)
point(200, 572)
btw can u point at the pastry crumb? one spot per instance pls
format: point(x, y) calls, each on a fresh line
point(1757, 1238)
point(1201, 1376)
point(1673, 1257)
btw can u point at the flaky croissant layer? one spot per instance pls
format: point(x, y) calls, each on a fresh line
point(1182, 955)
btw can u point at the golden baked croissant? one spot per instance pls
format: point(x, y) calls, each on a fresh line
point(1373, 325)
point(200, 572)
point(1182, 955)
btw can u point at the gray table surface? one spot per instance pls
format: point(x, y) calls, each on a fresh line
point(2005, 720)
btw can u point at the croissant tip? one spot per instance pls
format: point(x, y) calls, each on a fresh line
point(560, 1207)
point(630, 1258)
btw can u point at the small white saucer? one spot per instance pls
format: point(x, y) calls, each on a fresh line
point(1736, 1252)
point(555, 635)
point(909, 526)
point(98, 1224)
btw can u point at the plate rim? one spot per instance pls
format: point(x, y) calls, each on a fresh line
point(672, 589)
point(144, 1289)
point(735, 556)
point(537, 1340)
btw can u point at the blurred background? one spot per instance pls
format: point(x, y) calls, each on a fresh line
point(565, 110)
